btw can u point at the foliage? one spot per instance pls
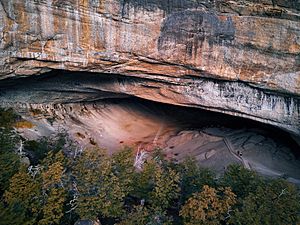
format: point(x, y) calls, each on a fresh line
point(166, 188)
point(144, 181)
point(141, 215)
point(10, 163)
point(24, 193)
point(53, 188)
point(53, 208)
point(13, 214)
point(101, 185)
point(275, 203)
point(209, 206)
point(39, 199)
point(242, 181)
point(122, 163)
point(138, 216)
point(8, 140)
point(43, 146)
point(7, 118)
point(194, 178)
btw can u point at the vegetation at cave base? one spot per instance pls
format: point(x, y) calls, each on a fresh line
point(9, 163)
point(101, 187)
point(274, 202)
point(59, 189)
point(242, 181)
point(210, 206)
point(7, 118)
point(9, 160)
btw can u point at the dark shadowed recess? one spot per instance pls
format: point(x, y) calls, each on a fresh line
point(170, 6)
point(66, 87)
point(196, 119)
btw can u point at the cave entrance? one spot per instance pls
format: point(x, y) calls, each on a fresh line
point(94, 111)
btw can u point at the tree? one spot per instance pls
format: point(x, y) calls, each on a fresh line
point(10, 163)
point(9, 160)
point(8, 137)
point(8, 140)
point(123, 168)
point(210, 206)
point(53, 169)
point(7, 117)
point(276, 202)
point(13, 214)
point(139, 215)
point(101, 184)
point(23, 195)
point(194, 178)
point(157, 186)
point(37, 199)
point(242, 181)
point(54, 193)
point(144, 181)
point(166, 188)
point(53, 208)
point(158, 183)
point(39, 149)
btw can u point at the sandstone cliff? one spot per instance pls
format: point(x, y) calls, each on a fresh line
point(238, 57)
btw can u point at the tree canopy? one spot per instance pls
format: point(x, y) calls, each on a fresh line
point(57, 188)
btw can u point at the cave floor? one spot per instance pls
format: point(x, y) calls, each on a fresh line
point(212, 140)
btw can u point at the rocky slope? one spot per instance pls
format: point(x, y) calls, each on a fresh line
point(237, 57)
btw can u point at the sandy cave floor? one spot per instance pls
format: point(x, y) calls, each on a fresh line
point(214, 143)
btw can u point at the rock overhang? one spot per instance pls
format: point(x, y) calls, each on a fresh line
point(237, 57)
point(229, 97)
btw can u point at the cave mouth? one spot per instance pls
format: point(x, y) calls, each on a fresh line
point(190, 118)
point(93, 111)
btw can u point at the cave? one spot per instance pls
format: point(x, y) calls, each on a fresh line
point(94, 110)
point(218, 81)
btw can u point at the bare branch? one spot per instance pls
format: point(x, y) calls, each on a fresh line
point(140, 158)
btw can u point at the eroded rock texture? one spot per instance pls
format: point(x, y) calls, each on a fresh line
point(238, 57)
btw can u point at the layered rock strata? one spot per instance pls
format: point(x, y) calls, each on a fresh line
point(238, 57)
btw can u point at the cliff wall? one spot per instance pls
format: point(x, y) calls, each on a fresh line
point(238, 57)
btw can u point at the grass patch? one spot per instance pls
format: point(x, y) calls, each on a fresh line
point(24, 124)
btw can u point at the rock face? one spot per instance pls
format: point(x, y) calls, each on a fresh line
point(238, 57)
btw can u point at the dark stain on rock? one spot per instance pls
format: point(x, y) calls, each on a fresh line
point(288, 104)
point(168, 6)
point(192, 27)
